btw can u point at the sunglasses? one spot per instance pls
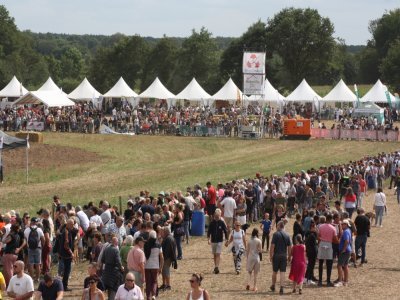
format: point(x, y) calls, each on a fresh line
point(27, 217)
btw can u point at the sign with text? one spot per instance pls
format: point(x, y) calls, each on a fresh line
point(254, 62)
point(253, 84)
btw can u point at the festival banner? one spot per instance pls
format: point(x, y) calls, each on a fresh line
point(253, 84)
point(254, 62)
point(36, 126)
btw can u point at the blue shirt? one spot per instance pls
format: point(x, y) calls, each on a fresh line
point(345, 237)
point(267, 225)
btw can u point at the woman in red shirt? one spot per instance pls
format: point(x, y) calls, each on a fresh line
point(350, 201)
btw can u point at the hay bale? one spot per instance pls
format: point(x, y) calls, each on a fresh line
point(35, 137)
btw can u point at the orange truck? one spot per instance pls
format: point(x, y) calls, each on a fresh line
point(296, 129)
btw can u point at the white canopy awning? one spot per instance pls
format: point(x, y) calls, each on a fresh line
point(340, 93)
point(229, 92)
point(13, 89)
point(377, 94)
point(120, 90)
point(271, 94)
point(47, 98)
point(84, 92)
point(157, 90)
point(193, 91)
point(303, 93)
point(49, 85)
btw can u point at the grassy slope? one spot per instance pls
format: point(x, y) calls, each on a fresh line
point(156, 163)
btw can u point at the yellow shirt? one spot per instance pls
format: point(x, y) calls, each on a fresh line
point(2, 282)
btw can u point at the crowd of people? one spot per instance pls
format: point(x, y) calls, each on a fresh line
point(128, 251)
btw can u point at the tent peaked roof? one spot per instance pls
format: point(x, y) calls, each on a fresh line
point(47, 98)
point(120, 89)
point(193, 91)
point(49, 85)
point(303, 93)
point(377, 94)
point(340, 93)
point(271, 93)
point(13, 89)
point(157, 90)
point(228, 92)
point(84, 91)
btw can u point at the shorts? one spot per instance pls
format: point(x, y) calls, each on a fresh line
point(35, 256)
point(343, 259)
point(138, 278)
point(216, 248)
point(279, 263)
point(166, 270)
point(229, 222)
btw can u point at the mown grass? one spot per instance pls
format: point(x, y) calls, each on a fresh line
point(130, 164)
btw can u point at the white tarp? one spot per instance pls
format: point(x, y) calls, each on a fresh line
point(229, 92)
point(377, 94)
point(303, 93)
point(193, 91)
point(13, 89)
point(84, 92)
point(120, 90)
point(340, 93)
point(104, 129)
point(271, 94)
point(47, 98)
point(157, 90)
point(49, 85)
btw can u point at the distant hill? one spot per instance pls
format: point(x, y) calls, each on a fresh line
point(355, 48)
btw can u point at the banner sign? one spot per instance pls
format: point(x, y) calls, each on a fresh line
point(36, 126)
point(254, 62)
point(253, 84)
point(350, 134)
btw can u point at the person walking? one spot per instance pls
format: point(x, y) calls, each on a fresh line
point(169, 253)
point(11, 250)
point(215, 235)
point(311, 244)
point(92, 292)
point(21, 284)
point(266, 225)
point(253, 254)
point(153, 266)
point(238, 237)
point(379, 206)
point(129, 290)
point(136, 261)
point(298, 266)
point(350, 201)
point(113, 270)
point(344, 255)
point(179, 230)
point(279, 255)
point(197, 293)
point(362, 225)
point(35, 240)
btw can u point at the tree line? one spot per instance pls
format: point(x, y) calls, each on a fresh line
point(299, 44)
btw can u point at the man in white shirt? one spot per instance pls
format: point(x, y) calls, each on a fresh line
point(129, 290)
point(83, 218)
point(105, 217)
point(35, 239)
point(229, 205)
point(21, 284)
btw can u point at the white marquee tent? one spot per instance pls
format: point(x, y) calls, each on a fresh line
point(84, 92)
point(13, 89)
point(340, 93)
point(271, 94)
point(47, 98)
point(303, 93)
point(120, 90)
point(49, 85)
point(193, 92)
point(377, 94)
point(157, 90)
point(229, 92)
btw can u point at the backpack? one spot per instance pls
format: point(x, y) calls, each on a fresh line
point(33, 239)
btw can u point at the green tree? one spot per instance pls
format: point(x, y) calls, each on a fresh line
point(199, 58)
point(385, 30)
point(71, 63)
point(390, 67)
point(9, 34)
point(304, 41)
point(160, 63)
point(368, 65)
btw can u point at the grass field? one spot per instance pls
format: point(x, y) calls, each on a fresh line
point(82, 168)
point(323, 90)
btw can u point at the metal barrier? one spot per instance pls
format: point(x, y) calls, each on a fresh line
point(355, 134)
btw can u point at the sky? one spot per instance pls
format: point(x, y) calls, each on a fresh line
point(177, 18)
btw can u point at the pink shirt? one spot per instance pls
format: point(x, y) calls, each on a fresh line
point(327, 232)
point(135, 259)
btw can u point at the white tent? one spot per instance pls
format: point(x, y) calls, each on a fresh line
point(229, 92)
point(84, 92)
point(194, 92)
point(340, 93)
point(157, 90)
point(120, 90)
point(13, 89)
point(49, 85)
point(377, 94)
point(271, 94)
point(303, 93)
point(47, 98)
